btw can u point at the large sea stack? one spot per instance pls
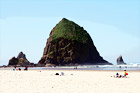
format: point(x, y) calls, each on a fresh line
point(120, 61)
point(70, 44)
point(19, 61)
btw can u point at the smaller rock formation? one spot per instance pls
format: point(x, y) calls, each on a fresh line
point(13, 61)
point(21, 55)
point(120, 61)
point(19, 61)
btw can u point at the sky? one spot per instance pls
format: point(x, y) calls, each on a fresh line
point(114, 26)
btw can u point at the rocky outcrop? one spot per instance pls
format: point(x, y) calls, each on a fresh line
point(19, 61)
point(13, 61)
point(21, 55)
point(120, 61)
point(70, 44)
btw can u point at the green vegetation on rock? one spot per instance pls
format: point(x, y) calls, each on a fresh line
point(70, 44)
point(69, 30)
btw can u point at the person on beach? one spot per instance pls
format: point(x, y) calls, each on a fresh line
point(26, 68)
point(14, 68)
point(75, 67)
point(19, 69)
point(125, 73)
point(62, 73)
point(120, 76)
point(117, 75)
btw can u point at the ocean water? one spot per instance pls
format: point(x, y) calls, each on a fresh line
point(96, 67)
point(131, 67)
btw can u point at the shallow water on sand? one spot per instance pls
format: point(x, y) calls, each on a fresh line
point(84, 67)
point(95, 67)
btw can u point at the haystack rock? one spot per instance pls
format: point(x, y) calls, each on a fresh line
point(70, 44)
point(19, 61)
point(120, 61)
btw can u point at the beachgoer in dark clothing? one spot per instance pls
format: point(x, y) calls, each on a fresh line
point(26, 68)
point(117, 75)
point(14, 68)
point(75, 67)
point(19, 69)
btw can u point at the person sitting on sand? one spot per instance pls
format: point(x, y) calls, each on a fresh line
point(19, 69)
point(120, 76)
point(62, 73)
point(125, 73)
point(14, 68)
point(117, 75)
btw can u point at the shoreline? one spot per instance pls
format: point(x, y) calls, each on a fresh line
point(72, 70)
point(132, 69)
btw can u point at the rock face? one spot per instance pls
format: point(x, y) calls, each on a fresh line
point(13, 61)
point(120, 61)
point(19, 61)
point(70, 44)
point(21, 55)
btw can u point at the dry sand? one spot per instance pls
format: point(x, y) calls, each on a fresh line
point(72, 82)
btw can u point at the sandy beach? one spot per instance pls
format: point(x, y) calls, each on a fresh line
point(74, 81)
